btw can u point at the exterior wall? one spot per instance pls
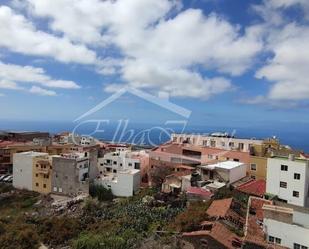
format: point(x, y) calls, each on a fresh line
point(123, 185)
point(237, 173)
point(275, 175)
point(67, 175)
point(22, 171)
point(115, 161)
point(261, 167)
point(42, 174)
point(216, 142)
point(288, 233)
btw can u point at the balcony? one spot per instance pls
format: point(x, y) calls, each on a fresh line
point(42, 171)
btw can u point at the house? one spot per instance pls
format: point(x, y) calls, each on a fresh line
point(288, 179)
point(286, 225)
point(173, 183)
point(124, 183)
point(197, 193)
point(254, 234)
point(70, 174)
point(228, 171)
point(25, 168)
point(253, 187)
point(227, 210)
point(213, 235)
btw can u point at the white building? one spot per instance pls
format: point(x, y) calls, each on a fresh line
point(23, 169)
point(118, 160)
point(287, 225)
point(228, 171)
point(216, 140)
point(288, 178)
point(124, 183)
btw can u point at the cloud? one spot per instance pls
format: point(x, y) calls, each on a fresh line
point(163, 42)
point(41, 91)
point(20, 35)
point(11, 76)
point(287, 67)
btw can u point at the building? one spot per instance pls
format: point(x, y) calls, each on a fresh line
point(286, 225)
point(187, 156)
point(124, 183)
point(216, 140)
point(24, 169)
point(227, 172)
point(22, 136)
point(288, 179)
point(118, 160)
point(42, 174)
point(70, 174)
point(259, 154)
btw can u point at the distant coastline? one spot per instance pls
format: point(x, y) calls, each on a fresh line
point(297, 138)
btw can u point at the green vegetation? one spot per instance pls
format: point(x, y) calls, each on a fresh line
point(100, 192)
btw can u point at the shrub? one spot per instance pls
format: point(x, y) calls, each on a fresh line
point(100, 192)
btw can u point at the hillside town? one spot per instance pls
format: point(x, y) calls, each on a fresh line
point(249, 193)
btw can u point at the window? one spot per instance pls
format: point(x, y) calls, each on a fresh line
point(298, 246)
point(114, 162)
point(296, 176)
point(271, 239)
point(253, 177)
point(44, 185)
point(37, 175)
point(114, 171)
point(253, 166)
point(231, 144)
point(284, 167)
point(295, 193)
point(209, 156)
point(283, 185)
point(278, 241)
point(37, 184)
point(130, 164)
point(120, 164)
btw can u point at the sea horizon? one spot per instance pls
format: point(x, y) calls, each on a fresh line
point(295, 138)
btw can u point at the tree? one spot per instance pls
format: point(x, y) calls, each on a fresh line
point(158, 174)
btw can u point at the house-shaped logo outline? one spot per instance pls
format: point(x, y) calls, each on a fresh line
point(162, 102)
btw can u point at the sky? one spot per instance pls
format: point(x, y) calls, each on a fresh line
point(230, 62)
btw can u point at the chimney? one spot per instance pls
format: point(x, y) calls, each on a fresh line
point(291, 157)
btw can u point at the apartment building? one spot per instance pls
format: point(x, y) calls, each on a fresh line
point(25, 169)
point(216, 140)
point(188, 156)
point(288, 179)
point(286, 225)
point(118, 160)
point(70, 173)
point(259, 154)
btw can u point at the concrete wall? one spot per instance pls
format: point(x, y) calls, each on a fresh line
point(238, 173)
point(22, 171)
point(288, 233)
point(66, 176)
point(275, 175)
point(261, 167)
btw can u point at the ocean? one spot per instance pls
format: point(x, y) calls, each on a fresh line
point(155, 134)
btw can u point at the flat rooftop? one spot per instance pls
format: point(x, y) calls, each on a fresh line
point(33, 153)
point(223, 165)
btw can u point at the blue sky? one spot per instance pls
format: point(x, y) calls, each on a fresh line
point(231, 62)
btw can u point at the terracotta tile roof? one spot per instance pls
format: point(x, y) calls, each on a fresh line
point(199, 191)
point(219, 208)
point(181, 173)
point(254, 232)
point(218, 232)
point(253, 187)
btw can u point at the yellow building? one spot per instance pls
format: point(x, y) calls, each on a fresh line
point(258, 167)
point(42, 173)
